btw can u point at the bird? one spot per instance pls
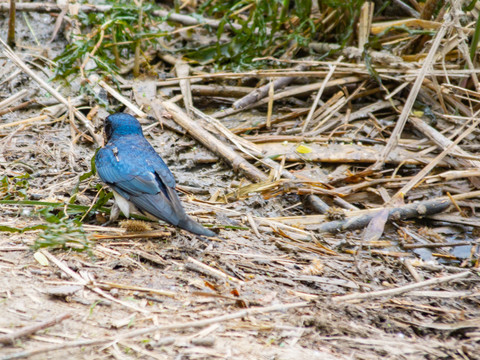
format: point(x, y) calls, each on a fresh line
point(137, 174)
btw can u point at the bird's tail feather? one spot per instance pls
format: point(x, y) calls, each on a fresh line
point(194, 227)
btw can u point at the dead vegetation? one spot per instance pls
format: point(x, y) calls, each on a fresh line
point(333, 149)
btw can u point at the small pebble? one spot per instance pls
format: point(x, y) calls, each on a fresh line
point(206, 341)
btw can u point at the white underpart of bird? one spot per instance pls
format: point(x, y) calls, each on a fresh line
point(124, 205)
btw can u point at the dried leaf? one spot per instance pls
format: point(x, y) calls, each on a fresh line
point(376, 226)
point(303, 149)
point(315, 268)
point(42, 260)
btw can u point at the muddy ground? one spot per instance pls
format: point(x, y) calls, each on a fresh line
point(125, 285)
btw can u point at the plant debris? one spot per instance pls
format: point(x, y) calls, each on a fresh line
point(332, 146)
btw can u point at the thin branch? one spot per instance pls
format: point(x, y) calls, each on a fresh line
point(153, 329)
point(413, 95)
point(32, 329)
point(19, 62)
point(402, 289)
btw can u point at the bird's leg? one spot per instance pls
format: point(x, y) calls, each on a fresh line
point(114, 213)
point(122, 204)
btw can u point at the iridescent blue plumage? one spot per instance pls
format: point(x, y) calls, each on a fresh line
point(133, 169)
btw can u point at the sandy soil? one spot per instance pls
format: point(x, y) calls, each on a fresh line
point(126, 285)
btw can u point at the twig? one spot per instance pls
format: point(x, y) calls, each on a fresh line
point(407, 187)
point(304, 89)
point(441, 140)
point(253, 225)
point(58, 23)
point(462, 37)
point(182, 69)
point(82, 281)
point(213, 144)
point(254, 151)
point(17, 107)
point(142, 235)
point(411, 269)
point(92, 53)
point(320, 92)
point(19, 62)
point(345, 153)
point(365, 23)
point(409, 211)
point(439, 245)
point(152, 329)
point(134, 108)
point(402, 289)
point(11, 25)
point(109, 285)
point(262, 92)
point(32, 329)
point(395, 136)
point(14, 248)
point(271, 92)
point(412, 12)
point(190, 20)
point(243, 145)
point(88, 8)
point(213, 272)
point(25, 121)
point(17, 96)
point(364, 217)
point(138, 43)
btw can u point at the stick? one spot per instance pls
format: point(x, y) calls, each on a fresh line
point(248, 147)
point(365, 23)
point(11, 25)
point(138, 43)
point(108, 285)
point(83, 282)
point(438, 245)
point(319, 94)
point(441, 140)
point(213, 144)
point(299, 90)
point(182, 69)
point(402, 289)
point(121, 98)
point(87, 8)
point(420, 209)
point(25, 121)
point(208, 270)
point(17, 107)
point(141, 235)
point(411, 269)
point(149, 330)
point(19, 95)
point(262, 92)
point(19, 62)
point(412, 96)
point(411, 184)
point(412, 12)
point(9, 339)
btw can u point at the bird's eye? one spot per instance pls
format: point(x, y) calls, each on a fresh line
point(108, 130)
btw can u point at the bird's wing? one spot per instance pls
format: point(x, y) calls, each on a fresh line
point(124, 175)
point(146, 182)
point(162, 170)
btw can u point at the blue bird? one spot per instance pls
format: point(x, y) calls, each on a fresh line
point(139, 176)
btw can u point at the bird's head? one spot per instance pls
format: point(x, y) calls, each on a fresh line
point(121, 124)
